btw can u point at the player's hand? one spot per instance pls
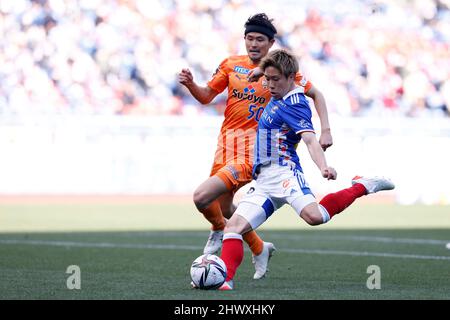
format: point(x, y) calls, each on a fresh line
point(326, 140)
point(185, 77)
point(329, 173)
point(254, 74)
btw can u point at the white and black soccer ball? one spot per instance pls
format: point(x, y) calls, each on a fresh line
point(208, 272)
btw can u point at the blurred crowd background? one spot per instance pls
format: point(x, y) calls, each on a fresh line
point(83, 57)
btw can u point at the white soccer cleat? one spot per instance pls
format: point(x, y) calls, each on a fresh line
point(261, 261)
point(214, 242)
point(227, 285)
point(374, 184)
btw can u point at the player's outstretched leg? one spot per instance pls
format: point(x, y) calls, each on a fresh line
point(337, 202)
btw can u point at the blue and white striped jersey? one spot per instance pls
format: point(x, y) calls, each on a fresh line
point(279, 129)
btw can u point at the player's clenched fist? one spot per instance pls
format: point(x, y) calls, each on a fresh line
point(185, 77)
point(326, 140)
point(329, 173)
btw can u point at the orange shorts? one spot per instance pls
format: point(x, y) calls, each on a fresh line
point(233, 175)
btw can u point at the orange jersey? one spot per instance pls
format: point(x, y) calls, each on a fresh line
point(245, 104)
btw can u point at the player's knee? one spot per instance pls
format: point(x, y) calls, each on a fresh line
point(235, 226)
point(312, 217)
point(231, 229)
point(201, 199)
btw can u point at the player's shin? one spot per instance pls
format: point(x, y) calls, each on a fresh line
point(254, 242)
point(213, 213)
point(335, 203)
point(232, 253)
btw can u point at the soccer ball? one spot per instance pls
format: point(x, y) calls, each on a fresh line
point(208, 272)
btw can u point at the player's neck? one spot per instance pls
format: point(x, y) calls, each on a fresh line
point(292, 87)
point(254, 62)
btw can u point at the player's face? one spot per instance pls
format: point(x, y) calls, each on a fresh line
point(257, 45)
point(278, 84)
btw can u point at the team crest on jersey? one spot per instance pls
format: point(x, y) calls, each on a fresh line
point(274, 109)
point(303, 124)
point(249, 89)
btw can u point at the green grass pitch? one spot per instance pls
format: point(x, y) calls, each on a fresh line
point(144, 251)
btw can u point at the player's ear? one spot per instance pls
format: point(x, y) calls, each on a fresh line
point(271, 42)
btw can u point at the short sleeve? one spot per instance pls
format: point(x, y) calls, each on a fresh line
point(219, 80)
point(298, 117)
point(300, 80)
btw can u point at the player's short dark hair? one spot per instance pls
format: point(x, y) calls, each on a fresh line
point(282, 60)
point(261, 23)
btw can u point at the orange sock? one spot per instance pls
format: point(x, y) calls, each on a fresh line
point(213, 214)
point(254, 242)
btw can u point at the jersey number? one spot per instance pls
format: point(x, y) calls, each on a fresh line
point(253, 113)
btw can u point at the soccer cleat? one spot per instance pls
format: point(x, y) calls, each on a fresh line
point(261, 261)
point(227, 285)
point(214, 242)
point(374, 184)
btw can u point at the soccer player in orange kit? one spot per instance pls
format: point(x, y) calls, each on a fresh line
point(233, 160)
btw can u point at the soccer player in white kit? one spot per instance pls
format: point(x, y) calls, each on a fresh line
point(279, 176)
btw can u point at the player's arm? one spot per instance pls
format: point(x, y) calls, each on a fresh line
point(326, 140)
point(204, 95)
point(254, 74)
point(317, 155)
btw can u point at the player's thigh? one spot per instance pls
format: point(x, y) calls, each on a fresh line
point(209, 191)
point(256, 207)
point(305, 203)
point(302, 200)
point(234, 176)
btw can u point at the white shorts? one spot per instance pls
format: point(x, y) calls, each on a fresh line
point(275, 186)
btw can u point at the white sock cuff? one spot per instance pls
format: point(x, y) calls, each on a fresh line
point(232, 235)
point(325, 214)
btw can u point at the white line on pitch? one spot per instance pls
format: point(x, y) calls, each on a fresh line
point(362, 239)
point(317, 237)
point(187, 247)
